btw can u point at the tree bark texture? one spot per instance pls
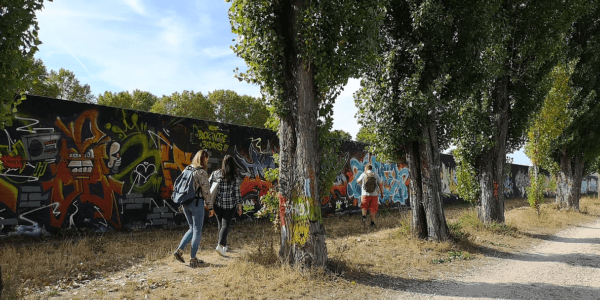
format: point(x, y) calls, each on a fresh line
point(428, 219)
point(302, 234)
point(568, 181)
point(491, 163)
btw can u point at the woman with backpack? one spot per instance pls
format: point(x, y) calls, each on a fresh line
point(228, 197)
point(194, 210)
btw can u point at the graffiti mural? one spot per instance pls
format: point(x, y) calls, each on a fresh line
point(592, 185)
point(75, 165)
point(394, 177)
point(522, 182)
point(449, 180)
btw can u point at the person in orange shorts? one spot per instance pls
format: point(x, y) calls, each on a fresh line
point(371, 186)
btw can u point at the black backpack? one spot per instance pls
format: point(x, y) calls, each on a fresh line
point(370, 182)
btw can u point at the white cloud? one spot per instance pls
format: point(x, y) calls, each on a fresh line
point(161, 51)
point(136, 5)
point(217, 52)
point(173, 32)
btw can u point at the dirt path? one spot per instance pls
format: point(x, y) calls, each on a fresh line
point(565, 266)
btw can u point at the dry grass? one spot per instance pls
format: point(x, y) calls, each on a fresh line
point(362, 261)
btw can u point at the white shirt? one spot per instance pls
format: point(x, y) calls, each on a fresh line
point(361, 180)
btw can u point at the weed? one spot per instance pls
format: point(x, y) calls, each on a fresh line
point(494, 244)
point(452, 256)
point(264, 254)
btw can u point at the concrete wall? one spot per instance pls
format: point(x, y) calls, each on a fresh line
point(74, 165)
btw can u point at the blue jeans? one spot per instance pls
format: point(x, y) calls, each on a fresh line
point(195, 218)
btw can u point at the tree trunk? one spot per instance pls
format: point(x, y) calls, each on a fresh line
point(302, 231)
point(428, 219)
point(568, 182)
point(491, 163)
point(419, 221)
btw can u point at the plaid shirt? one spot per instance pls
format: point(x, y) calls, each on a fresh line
point(229, 191)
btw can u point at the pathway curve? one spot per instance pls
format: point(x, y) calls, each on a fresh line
point(565, 266)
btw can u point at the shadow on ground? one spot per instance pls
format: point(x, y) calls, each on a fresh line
point(479, 289)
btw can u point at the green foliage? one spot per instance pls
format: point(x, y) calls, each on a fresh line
point(535, 192)
point(523, 47)
point(342, 135)
point(307, 49)
point(427, 60)
point(270, 201)
point(547, 125)
point(581, 135)
point(365, 135)
point(68, 87)
point(239, 109)
point(138, 100)
point(336, 38)
point(223, 106)
point(332, 160)
point(18, 43)
point(35, 80)
point(187, 104)
point(272, 122)
point(452, 256)
point(466, 177)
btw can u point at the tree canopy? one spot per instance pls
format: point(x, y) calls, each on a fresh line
point(577, 149)
point(187, 104)
point(18, 43)
point(230, 107)
point(408, 95)
point(524, 46)
point(68, 86)
point(140, 100)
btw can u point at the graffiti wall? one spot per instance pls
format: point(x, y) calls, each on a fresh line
point(73, 165)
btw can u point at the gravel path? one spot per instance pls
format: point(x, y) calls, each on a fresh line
point(565, 266)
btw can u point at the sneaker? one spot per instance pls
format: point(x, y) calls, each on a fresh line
point(372, 224)
point(178, 256)
point(364, 220)
point(221, 250)
point(194, 262)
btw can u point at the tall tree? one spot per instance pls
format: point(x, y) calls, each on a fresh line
point(302, 53)
point(18, 43)
point(68, 86)
point(35, 80)
point(365, 135)
point(239, 109)
point(428, 59)
point(578, 148)
point(342, 135)
point(492, 122)
point(545, 129)
point(187, 104)
point(140, 100)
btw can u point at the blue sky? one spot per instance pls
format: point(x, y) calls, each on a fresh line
point(156, 46)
